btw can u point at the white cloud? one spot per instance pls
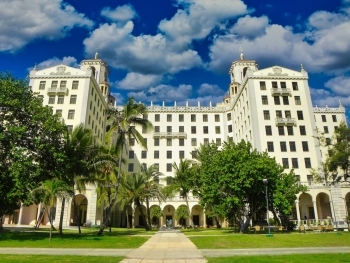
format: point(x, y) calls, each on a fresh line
point(326, 20)
point(250, 27)
point(68, 61)
point(136, 81)
point(164, 93)
point(339, 85)
point(118, 98)
point(23, 21)
point(212, 90)
point(204, 101)
point(120, 14)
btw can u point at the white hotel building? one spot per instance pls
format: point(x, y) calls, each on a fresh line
point(271, 108)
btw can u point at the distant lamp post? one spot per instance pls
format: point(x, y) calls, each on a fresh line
point(267, 208)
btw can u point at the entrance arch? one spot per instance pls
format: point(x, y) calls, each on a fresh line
point(78, 213)
point(168, 216)
point(323, 206)
point(306, 207)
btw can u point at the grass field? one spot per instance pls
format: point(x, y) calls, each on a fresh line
point(309, 258)
point(119, 238)
point(54, 259)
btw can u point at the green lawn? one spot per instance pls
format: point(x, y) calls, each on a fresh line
point(119, 238)
point(46, 258)
point(223, 239)
point(308, 258)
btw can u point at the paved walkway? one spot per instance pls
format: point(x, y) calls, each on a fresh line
point(166, 246)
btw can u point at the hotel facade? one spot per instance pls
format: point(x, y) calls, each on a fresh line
point(271, 108)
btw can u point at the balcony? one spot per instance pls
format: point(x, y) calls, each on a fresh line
point(285, 121)
point(57, 90)
point(278, 92)
point(170, 135)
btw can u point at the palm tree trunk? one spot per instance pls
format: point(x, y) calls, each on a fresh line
point(109, 219)
point(127, 217)
point(188, 210)
point(76, 214)
point(109, 208)
point(138, 204)
point(148, 212)
point(61, 215)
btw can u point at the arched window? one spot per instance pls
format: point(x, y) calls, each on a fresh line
point(244, 71)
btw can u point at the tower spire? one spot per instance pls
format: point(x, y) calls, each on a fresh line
point(241, 56)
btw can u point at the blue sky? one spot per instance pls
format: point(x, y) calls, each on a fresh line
point(181, 50)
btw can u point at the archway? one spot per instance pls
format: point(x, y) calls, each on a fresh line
point(306, 207)
point(138, 220)
point(347, 203)
point(323, 206)
point(156, 214)
point(168, 216)
point(197, 218)
point(78, 213)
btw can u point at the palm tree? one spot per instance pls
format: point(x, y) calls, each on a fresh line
point(121, 127)
point(182, 214)
point(181, 182)
point(156, 212)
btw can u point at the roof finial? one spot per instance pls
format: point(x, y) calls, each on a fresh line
point(96, 55)
point(35, 68)
point(302, 67)
point(241, 56)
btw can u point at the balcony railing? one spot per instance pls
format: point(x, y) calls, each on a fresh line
point(285, 121)
point(178, 199)
point(276, 91)
point(57, 90)
point(169, 135)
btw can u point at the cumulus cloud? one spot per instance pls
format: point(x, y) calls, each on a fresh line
point(250, 27)
point(120, 14)
point(24, 21)
point(68, 61)
point(339, 85)
point(118, 98)
point(208, 89)
point(136, 81)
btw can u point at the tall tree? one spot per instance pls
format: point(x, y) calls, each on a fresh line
point(31, 144)
point(121, 127)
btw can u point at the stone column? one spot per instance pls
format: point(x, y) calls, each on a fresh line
point(20, 215)
point(204, 220)
point(298, 211)
point(315, 210)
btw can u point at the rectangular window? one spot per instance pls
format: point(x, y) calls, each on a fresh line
point(229, 128)
point(290, 130)
point(277, 100)
point(274, 85)
point(54, 84)
point(281, 130)
point(229, 116)
point(266, 115)
point(169, 142)
point(287, 114)
point(323, 118)
point(63, 84)
point(181, 118)
point(181, 154)
point(181, 142)
point(305, 146)
point(75, 84)
point(283, 85)
point(157, 117)
point(156, 141)
point(307, 162)
point(145, 116)
point(169, 128)
point(205, 117)
point(285, 100)
point(59, 113)
point(297, 100)
point(217, 130)
point(206, 141)
point(52, 99)
point(328, 141)
point(292, 147)
point(262, 85)
point(268, 130)
point(302, 130)
point(334, 118)
point(156, 128)
point(42, 85)
point(60, 99)
point(278, 114)
point(181, 128)
point(193, 142)
point(70, 129)
point(205, 130)
point(300, 115)
point(193, 129)
point(169, 118)
point(156, 166)
point(169, 167)
point(295, 85)
point(145, 140)
point(194, 154)
point(169, 154)
point(193, 117)
point(73, 99)
point(283, 146)
point(270, 147)
point(132, 142)
point(218, 141)
point(131, 154)
point(130, 167)
point(71, 114)
point(325, 129)
point(156, 155)
point(217, 117)
point(295, 163)
point(264, 100)
point(144, 129)
point(285, 163)
point(41, 97)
